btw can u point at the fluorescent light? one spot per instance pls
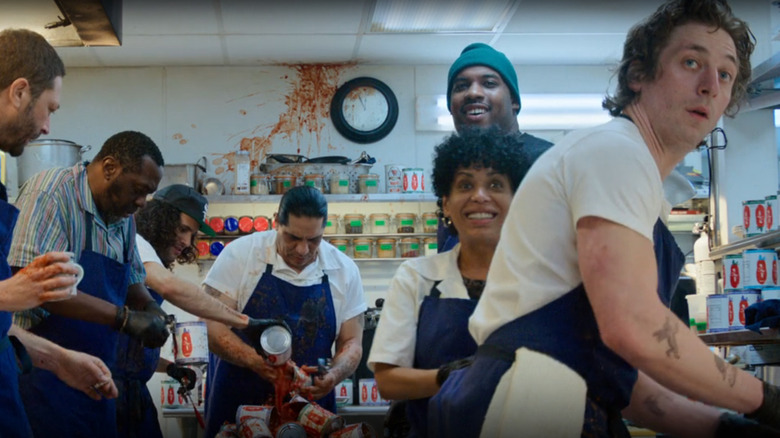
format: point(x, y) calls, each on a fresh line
point(538, 112)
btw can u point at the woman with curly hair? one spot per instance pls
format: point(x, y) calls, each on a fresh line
point(423, 331)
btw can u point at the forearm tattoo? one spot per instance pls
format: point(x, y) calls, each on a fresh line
point(668, 334)
point(727, 373)
point(213, 292)
point(653, 405)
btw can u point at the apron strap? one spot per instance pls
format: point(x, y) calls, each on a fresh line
point(496, 352)
point(23, 361)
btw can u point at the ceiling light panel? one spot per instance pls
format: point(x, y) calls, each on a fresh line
point(439, 15)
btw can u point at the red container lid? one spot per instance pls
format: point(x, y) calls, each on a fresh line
point(245, 224)
point(203, 248)
point(217, 224)
point(261, 223)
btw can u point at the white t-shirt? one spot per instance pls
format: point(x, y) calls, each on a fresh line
point(607, 172)
point(241, 264)
point(396, 335)
point(146, 251)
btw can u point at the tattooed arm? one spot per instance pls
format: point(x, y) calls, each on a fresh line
point(349, 350)
point(228, 346)
point(190, 297)
point(663, 411)
point(619, 272)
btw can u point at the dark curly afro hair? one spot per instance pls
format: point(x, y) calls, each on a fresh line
point(478, 148)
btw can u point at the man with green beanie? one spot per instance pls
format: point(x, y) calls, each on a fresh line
point(482, 92)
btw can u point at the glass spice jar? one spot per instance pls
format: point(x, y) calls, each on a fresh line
point(283, 183)
point(259, 184)
point(362, 248)
point(430, 246)
point(410, 247)
point(379, 223)
point(314, 180)
point(332, 224)
point(340, 244)
point(430, 222)
point(353, 223)
point(385, 248)
point(405, 222)
point(368, 183)
point(339, 184)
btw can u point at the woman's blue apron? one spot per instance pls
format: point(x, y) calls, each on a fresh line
point(310, 314)
point(13, 420)
point(54, 408)
point(442, 336)
point(566, 330)
point(136, 415)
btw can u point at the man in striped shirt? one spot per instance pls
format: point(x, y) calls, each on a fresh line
point(87, 209)
point(30, 82)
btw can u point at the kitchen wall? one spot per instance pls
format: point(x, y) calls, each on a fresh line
point(213, 111)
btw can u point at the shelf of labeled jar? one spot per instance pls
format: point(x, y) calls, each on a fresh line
point(351, 197)
point(332, 236)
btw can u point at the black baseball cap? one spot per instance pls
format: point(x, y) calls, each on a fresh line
point(188, 201)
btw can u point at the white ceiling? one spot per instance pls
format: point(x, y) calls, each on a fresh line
point(262, 32)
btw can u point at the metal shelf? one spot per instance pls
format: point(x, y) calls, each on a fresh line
point(741, 337)
point(352, 197)
point(769, 240)
point(327, 236)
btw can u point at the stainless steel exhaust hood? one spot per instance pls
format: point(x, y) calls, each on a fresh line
point(67, 23)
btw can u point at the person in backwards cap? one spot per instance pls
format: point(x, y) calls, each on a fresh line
point(167, 226)
point(482, 92)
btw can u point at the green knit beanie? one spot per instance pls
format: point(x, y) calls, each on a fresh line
point(482, 54)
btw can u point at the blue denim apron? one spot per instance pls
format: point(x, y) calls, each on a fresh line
point(310, 314)
point(54, 408)
point(13, 420)
point(566, 330)
point(442, 336)
point(136, 415)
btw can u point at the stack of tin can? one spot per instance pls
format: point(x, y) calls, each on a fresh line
point(748, 277)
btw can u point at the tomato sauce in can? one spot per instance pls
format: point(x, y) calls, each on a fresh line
point(760, 268)
point(739, 300)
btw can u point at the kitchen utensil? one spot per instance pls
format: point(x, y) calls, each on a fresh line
point(329, 159)
point(284, 158)
point(212, 186)
point(41, 155)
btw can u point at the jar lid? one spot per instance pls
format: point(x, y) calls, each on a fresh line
point(385, 240)
point(368, 176)
point(363, 240)
point(354, 216)
point(285, 176)
point(430, 214)
point(410, 240)
point(312, 176)
point(406, 215)
point(338, 241)
point(379, 215)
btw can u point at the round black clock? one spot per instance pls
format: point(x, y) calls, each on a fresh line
point(364, 110)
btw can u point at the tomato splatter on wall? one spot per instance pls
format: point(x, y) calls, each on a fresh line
point(180, 138)
point(307, 103)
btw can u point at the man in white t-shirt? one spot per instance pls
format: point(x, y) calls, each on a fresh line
point(571, 332)
point(290, 274)
point(166, 229)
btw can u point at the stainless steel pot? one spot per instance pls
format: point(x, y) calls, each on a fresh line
point(41, 155)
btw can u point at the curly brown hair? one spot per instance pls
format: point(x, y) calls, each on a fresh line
point(157, 222)
point(646, 40)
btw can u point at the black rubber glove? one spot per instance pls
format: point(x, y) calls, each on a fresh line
point(769, 411)
point(447, 368)
point(154, 308)
point(181, 374)
point(255, 328)
point(149, 328)
point(733, 426)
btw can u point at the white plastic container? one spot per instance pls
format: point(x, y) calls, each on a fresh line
point(706, 279)
point(697, 312)
point(242, 186)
